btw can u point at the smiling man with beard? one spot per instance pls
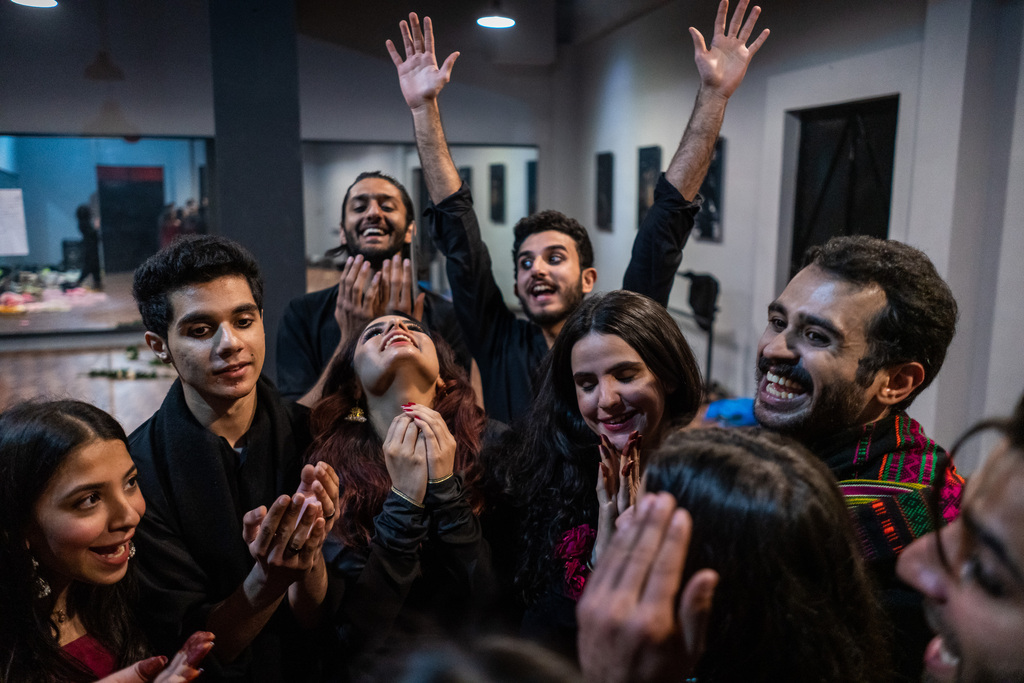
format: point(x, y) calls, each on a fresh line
point(552, 252)
point(377, 225)
point(852, 340)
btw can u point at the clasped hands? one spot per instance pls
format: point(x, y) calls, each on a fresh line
point(618, 484)
point(286, 540)
point(418, 449)
point(365, 294)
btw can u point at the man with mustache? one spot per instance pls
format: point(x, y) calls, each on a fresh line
point(378, 224)
point(851, 341)
point(552, 252)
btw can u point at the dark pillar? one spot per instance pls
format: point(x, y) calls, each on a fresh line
point(257, 180)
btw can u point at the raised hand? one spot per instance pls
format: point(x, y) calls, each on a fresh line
point(397, 273)
point(631, 626)
point(723, 65)
point(320, 483)
point(418, 74)
point(285, 540)
point(359, 299)
point(438, 439)
point(617, 487)
point(405, 456)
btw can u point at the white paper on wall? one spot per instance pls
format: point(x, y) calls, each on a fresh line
point(13, 234)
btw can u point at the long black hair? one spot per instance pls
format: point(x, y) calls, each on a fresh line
point(36, 439)
point(794, 601)
point(550, 472)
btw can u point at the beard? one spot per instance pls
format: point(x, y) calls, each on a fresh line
point(373, 254)
point(572, 297)
point(834, 407)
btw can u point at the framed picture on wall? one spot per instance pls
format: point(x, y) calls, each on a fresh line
point(648, 169)
point(531, 187)
point(466, 173)
point(707, 225)
point(605, 165)
point(497, 193)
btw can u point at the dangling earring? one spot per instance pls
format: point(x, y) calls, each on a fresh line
point(42, 588)
point(356, 415)
point(131, 549)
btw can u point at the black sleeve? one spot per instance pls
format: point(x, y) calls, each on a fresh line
point(378, 580)
point(485, 320)
point(658, 247)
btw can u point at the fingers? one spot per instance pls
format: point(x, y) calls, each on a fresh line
point(737, 17)
point(695, 610)
point(309, 511)
point(403, 26)
point(721, 17)
point(251, 523)
point(417, 309)
point(748, 25)
point(448, 65)
point(428, 35)
point(756, 45)
point(269, 527)
point(330, 486)
point(417, 32)
point(666, 568)
point(393, 51)
point(699, 46)
point(655, 516)
point(197, 647)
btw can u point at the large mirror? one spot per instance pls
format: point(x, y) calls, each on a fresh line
point(77, 215)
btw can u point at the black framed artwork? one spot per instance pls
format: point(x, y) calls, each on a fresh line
point(497, 193)
point(648, 170)
point(707, 224)
point(531, 187)
point(605, 167)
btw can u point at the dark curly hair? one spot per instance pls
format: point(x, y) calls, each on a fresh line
point(356, 452)
point(550, 472)
point(189, 260)
point(36, 439)
point(559, 222)
point(794, 601)
point(919, 318)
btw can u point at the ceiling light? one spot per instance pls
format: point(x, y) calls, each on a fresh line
point(495, 18)
point(36, 3)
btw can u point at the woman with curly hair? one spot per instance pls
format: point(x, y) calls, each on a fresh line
point(69, 507)
point(620, 376)
point(399, 423)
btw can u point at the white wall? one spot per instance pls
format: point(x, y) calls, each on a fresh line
point(954, 166)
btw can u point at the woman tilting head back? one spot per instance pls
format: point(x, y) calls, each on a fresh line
point(793, 601)
point(399, 423)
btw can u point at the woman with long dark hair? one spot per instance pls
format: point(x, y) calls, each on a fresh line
point(399, 423)
point(619, 377)
point(69, 507)
point(793, 600)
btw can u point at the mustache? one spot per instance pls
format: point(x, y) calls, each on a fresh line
point(794, 371)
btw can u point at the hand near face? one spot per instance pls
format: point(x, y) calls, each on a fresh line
point(418, 74)
point(286, 540)
point(617, 487)
point(723, 66)
point(439, 442)
point(405, 456)
point(397, 275)
point(320, 483)
point(358, 299)
point(631, 628)
point(183, 667)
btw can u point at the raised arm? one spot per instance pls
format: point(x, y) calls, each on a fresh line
point(722, 68)
point(422, 81)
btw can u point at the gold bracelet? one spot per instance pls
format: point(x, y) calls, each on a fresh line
point(405, 497)
point(442, 479)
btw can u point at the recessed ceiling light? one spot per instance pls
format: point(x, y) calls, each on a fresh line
point(36, 3)
point(496, 21)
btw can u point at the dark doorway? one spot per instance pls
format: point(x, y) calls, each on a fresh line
point(131, 200)
point(844, 173)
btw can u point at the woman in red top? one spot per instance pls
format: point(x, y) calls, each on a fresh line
point(69, 506)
